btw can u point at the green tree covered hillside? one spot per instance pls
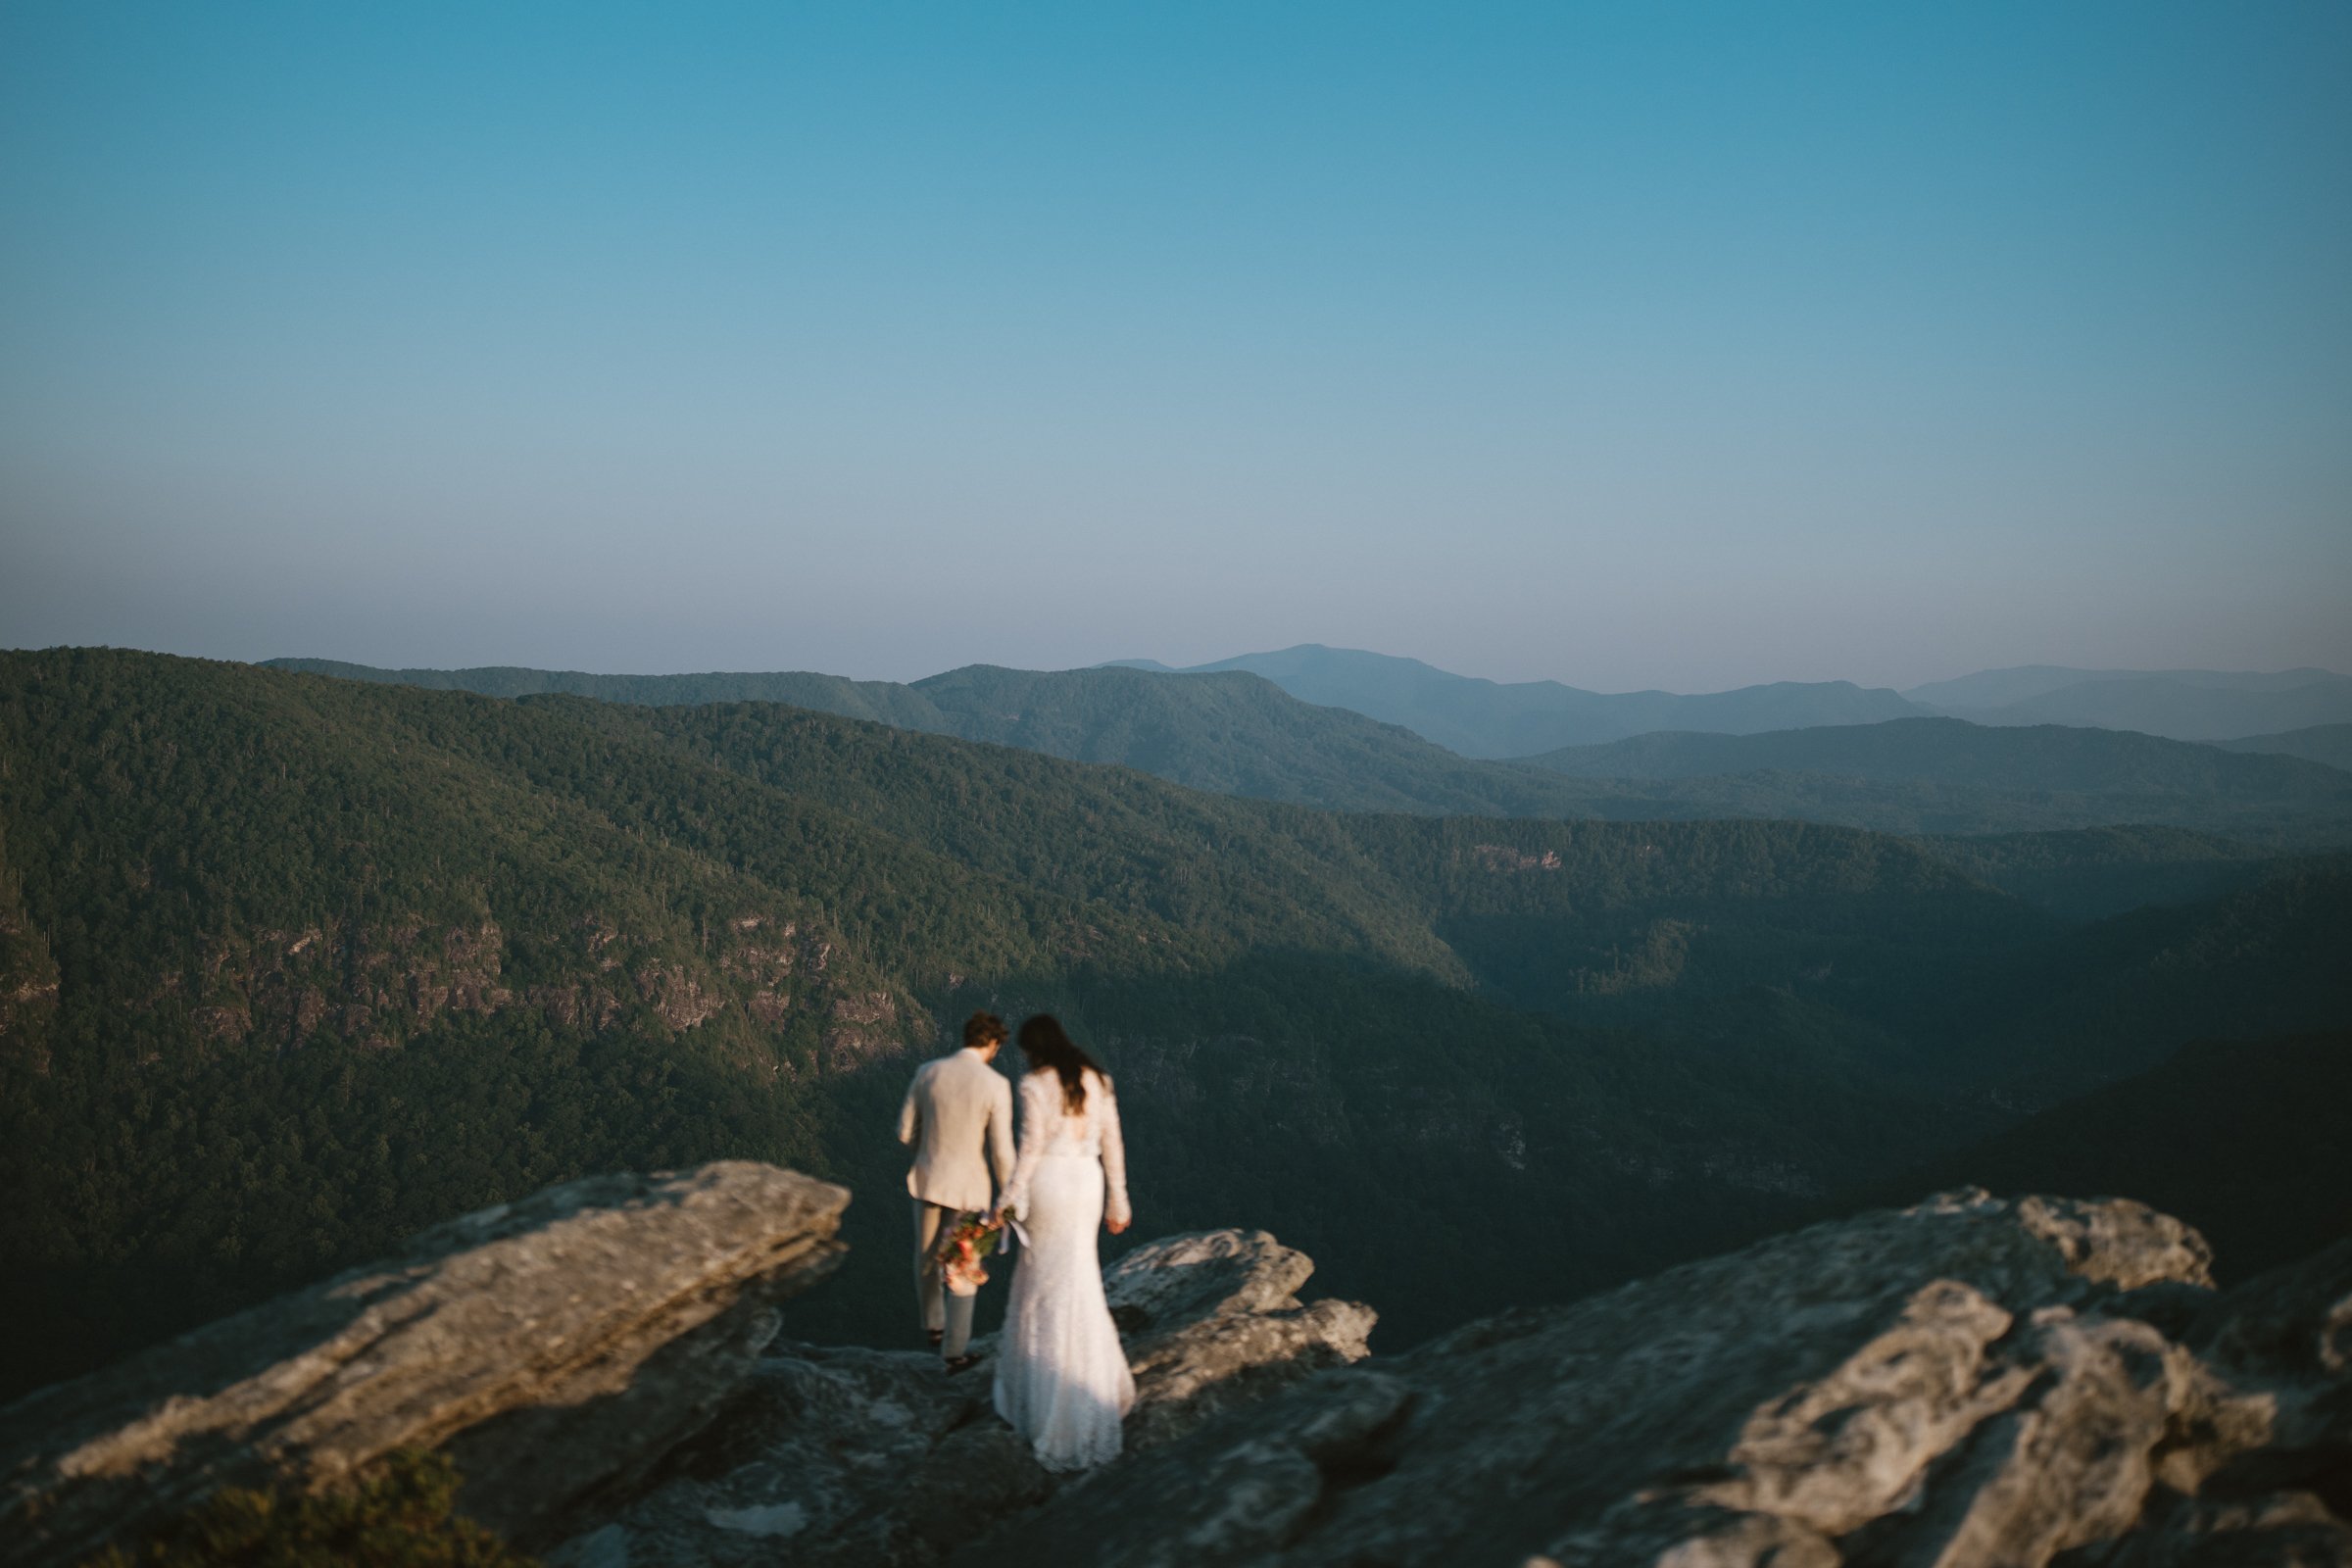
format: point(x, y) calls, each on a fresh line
point(1946, 775)
point(297, 966)
point(1235, 733)
point(1232, 733)
point(2331, 744)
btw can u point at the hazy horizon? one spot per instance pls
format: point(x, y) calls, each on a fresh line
point(1684, 347)
point(1176, 669)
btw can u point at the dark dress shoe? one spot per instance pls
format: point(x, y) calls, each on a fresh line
point(961, 1364)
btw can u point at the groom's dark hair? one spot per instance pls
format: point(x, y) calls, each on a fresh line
point(982, 1029)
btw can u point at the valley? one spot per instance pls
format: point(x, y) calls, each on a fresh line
point(297, 966)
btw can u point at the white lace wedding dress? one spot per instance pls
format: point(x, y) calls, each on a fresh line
point(1061, 1375)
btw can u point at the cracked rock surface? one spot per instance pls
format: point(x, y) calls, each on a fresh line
point(1968, 1384)
point(1971, 1382)
point(856, 1456)
point(557, 1345)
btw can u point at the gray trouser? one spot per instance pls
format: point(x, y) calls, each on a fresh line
point(952, 1313)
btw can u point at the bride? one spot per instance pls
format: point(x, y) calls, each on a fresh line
point(1061, 1375)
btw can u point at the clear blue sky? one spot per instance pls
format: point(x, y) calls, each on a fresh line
point(1629, 345)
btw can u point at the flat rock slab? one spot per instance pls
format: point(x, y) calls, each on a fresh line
point(1969, 1384)
point(840, 1458)
point(857, 1459)
point(1176, 1280)
point(556, 1345)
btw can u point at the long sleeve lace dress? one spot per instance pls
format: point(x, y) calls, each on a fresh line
point(1061, 1375)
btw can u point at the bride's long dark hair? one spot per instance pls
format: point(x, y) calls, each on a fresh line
point(1047, 1045)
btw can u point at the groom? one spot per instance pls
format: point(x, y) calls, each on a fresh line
point(957, 1107)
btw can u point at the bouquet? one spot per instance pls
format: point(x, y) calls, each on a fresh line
point(963, 1253)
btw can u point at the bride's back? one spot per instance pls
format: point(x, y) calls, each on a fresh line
point(1074, 1131)
point(1062, 1378)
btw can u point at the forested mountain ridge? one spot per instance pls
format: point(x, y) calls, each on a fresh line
point(1238, 734)
point(1488, 718)
point(2182, 707)
point(332, 961)
point(2092, 873)
point(264, 896)
point(1459, 714)
point(1516, 718)
point(849, 811)
point(2113, 998)
point(1231, 733)
point(332, 800)
point(1235, 734)
point(2041, 757)
point(1556, 915)
point(885, 701)
point(2331, 744)
point(2022, 683)
point(302, 965)
point(1947, 775)
point(28, 983)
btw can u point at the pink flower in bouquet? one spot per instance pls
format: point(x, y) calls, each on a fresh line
point(962, 1255)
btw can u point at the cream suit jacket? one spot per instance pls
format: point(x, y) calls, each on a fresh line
point(958, 1109)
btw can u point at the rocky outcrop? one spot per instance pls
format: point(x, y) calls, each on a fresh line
point(1213, 1321)
point(852, 1457)
point(1964, 1385)
point(839, 1458)
point(2283, 1339)
point(1967, 1384)
point(558, 1347)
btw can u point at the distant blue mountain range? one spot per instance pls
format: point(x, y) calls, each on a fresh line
point(1525, 718)
point(1493, 719)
